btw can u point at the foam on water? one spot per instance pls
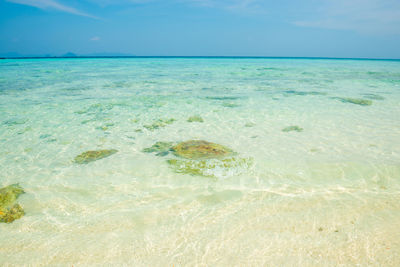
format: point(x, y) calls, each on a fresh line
point(326, 195)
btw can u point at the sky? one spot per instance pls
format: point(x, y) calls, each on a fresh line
point(288, 28)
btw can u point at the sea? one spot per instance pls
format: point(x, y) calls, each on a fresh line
point(314, 179)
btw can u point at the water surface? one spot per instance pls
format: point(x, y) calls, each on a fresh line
point(327, 194)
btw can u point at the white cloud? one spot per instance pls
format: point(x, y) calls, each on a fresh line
point(95, 38)
point(363, 16)
point(52, 4)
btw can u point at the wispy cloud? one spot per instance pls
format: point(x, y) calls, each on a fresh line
point(52, 4)
point(363, 16)
point(233, 5)
point(95, 38)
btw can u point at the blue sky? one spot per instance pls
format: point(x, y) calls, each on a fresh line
point(310, 28)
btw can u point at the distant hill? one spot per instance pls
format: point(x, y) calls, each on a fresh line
point(108, 55)
point(69, 54)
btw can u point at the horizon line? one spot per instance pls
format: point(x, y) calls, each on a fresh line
point(228, 57)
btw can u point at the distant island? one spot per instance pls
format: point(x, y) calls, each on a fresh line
point(70, 54)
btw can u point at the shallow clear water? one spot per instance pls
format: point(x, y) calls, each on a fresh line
point(327, 195)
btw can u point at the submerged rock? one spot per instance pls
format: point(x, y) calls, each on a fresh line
point(11, 214)
point(162, 148)
point(230, 105)
point(159, 124)
point(9, 194)
point(152, 127)
point(357, 101)
point(200, 149)
point(223, 97)
point(87, 121)
point(90, 156)
point(44, 136)
point(9, 210)
point(292, 128)
point(15, 122)
point(167, 121)
point(195, 119)
point(199, 157)
point(211, 167)
point(303, 93)
point(250, 124)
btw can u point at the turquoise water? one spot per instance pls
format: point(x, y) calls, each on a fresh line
point(327, 194)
